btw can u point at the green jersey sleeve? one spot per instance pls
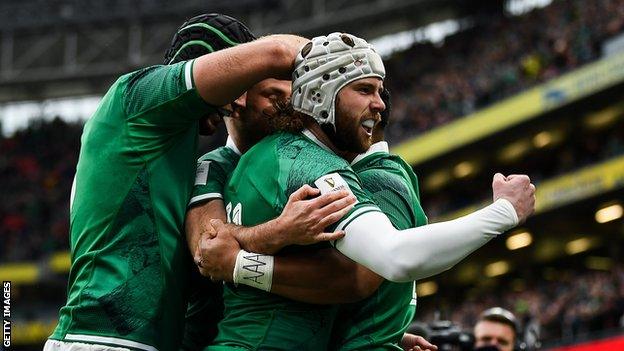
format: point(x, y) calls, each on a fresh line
point(163, 95)
point(346, 179)
point(213, 170)
point(161, 106)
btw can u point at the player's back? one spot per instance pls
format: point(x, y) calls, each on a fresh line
point(129, 275)
point(379, 321)
point(257, 192)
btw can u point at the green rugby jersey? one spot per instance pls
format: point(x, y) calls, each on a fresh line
point(379, 321)
point(205, 307)
point(213, 170)
point(130, 262)
point(258, 191)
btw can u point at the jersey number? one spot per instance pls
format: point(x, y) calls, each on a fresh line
point(234, 215)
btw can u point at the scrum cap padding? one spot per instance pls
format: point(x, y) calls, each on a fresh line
point(326, 65)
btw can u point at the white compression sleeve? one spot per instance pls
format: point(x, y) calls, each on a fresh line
point(417, 253)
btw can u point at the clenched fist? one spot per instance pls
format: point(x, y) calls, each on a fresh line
point(518, 190)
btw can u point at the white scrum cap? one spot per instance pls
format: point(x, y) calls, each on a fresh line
point(326, 65)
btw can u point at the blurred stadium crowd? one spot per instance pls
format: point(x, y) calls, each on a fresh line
point(498, 57)
point(37, 166)
point(567, 306)
point(432, 85)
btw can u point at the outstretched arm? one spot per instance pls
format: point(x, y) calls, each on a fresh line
point(220, 77)
point(421, 252)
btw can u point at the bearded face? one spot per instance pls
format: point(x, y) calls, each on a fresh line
point(259, 108)
point(358, 107)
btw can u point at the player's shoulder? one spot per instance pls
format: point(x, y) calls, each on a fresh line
point(131, 78)
point(385, 171)
point(221, 154)
point(305, 150)
point(381, 162)
point(296, 150)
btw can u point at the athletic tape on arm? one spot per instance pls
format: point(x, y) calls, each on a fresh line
point(417, 253)
point(253, 269)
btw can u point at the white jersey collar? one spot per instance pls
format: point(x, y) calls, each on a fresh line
point(380, 146)
point(308, 133)
point(230, 143)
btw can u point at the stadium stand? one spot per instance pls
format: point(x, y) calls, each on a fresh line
point(498, 57)
point(568, 305)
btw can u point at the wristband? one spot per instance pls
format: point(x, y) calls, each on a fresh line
point(255, 270)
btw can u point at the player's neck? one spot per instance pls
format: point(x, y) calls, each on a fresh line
point(318, 132)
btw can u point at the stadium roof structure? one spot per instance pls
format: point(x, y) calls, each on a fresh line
point(61, 48)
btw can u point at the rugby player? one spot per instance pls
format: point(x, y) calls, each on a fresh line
point(128, 283)
point(341, 72)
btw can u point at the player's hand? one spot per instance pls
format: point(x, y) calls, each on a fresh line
point(411, 342)
point(216, 253)
point(516, 188)
point(291, 46)
point(303, 221)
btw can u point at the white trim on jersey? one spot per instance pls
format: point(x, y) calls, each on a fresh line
point(353, 215)
point(229, 143)
point(109, 340)
point(308, 133)
point(57, 345)
point(380, 146)
point(209, 196)
point(188, 71)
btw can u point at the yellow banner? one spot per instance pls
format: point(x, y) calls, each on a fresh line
point(569, 188)
point(582, 82)
point(19, 273)
point(580, 185)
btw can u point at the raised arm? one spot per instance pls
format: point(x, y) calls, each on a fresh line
point(221, 77)
point(428, 250)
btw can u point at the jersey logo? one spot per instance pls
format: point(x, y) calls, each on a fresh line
point(331, 182)
point(201, 176)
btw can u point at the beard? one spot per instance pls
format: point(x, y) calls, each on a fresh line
point(347, 136)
